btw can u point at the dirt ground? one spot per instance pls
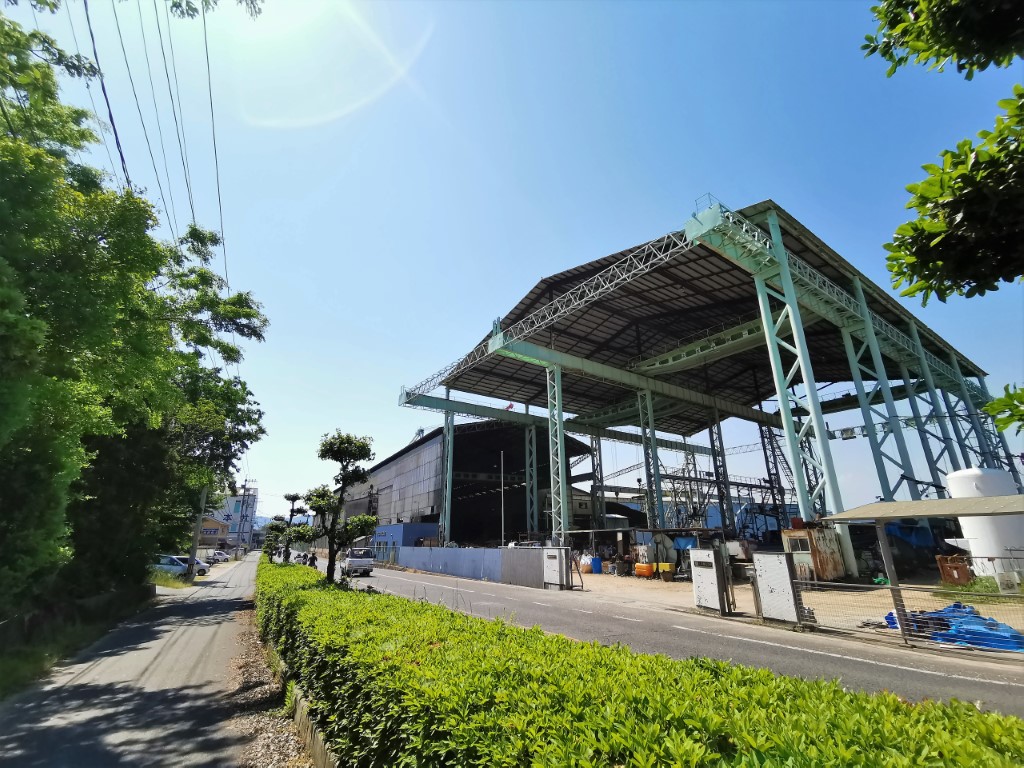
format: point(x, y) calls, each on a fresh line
point(675, 594)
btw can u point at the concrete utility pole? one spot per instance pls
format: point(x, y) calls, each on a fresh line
point(196, 532)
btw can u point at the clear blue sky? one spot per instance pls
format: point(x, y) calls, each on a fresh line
point(396, 175)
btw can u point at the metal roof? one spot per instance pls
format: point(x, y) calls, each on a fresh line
point(981, 506)
point(685, 299)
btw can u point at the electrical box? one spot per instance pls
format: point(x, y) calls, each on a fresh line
point(710, 589)
point(557, 562)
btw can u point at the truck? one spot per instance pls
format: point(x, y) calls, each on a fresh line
point(357, 561)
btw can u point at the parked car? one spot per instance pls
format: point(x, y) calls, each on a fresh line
point(170, 564)
point(201, 569)
point(357, 561)
point(219, 557)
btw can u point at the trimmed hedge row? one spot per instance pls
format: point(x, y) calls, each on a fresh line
point(395, 682)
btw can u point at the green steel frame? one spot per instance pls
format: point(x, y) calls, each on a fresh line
point(886, 364)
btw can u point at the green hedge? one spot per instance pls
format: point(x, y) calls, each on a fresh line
point(395, 682)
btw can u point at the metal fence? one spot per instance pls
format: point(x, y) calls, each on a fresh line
point(963, 616)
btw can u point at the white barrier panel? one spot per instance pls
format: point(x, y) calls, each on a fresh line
point(774, 574)
point(708, 580)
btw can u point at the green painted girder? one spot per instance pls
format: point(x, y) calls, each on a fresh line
point(625, 412)
point(850, 401)
point(749, 335)
point(413, 399)
point(538, 355)
point(748, 247)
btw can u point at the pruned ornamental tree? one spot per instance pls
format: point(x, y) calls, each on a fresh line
point(293, 499)
point(968, 236)
point(332, 524)
point(347, 451)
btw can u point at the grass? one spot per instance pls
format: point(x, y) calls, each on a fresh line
point(165, 579)
point(24, 664)
point(983, 589)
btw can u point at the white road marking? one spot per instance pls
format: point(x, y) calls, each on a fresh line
point(626, 618)
point(546, 605)
point(488, 594)
point(581, 610)
point(852, 658)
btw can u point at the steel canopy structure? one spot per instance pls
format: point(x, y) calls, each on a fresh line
point(673, 336)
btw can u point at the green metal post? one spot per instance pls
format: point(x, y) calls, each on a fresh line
point(449, 464)
point(652, 467)
point(895, 429)
point(933, 396)
point(556, 451)
point(922, 433)
point(597, 483)
point(961, 439)
point(988, 459)
point(532, 513)
point(1001, 438)
point(853, 355)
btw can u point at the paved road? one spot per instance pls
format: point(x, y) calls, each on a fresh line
point(913, 674)
point(151, 692)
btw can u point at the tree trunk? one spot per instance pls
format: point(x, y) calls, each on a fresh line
point(332, 547)
point(287, 538)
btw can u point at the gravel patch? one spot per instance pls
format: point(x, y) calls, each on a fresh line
point(272, 739)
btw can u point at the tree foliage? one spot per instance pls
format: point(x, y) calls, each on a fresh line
point(971, 34)
point(969, 234)
point(348, 451)
point(111, 418)
point(1008, 410)
point(966, 238)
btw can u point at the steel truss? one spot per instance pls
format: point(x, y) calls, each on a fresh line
point(597, 483)
point(635, 264)
point(448, 455)
point(722, 490)
point(866, 361)
point(532, 509)
point(560, 517)
point(652, 469)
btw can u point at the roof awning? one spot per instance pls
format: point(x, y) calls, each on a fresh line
point(982, 506)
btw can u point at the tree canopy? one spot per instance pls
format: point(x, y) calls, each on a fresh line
point(967, 237)
point(110, 406)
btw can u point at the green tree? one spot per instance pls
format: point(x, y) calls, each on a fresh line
point(293, 499)
point(1008, 410)
point(348, 451)
point(967, 237)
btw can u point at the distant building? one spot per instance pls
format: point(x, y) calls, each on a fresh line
point(239, 514)
point(214, 532)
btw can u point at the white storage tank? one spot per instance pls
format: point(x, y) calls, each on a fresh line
point(989, 537)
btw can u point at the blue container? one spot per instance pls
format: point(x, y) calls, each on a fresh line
point(595, 564)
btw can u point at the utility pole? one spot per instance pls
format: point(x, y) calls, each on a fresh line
point(503, 498)
point(196, 532)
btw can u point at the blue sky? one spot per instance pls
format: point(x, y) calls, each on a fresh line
point(396, 175)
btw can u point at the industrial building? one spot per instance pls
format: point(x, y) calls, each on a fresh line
point(738, 315)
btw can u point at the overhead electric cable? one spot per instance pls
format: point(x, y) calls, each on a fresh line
point(106, 96)
point(179, 127)
point(156, 113)
point(142, 120)
point(216, 158)
point(92, 100)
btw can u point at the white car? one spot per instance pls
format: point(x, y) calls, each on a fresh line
point(201, 569)
point(170, 564)
point(219, 557)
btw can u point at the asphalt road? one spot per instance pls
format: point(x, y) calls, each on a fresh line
point(912, 673)
point(151, 692)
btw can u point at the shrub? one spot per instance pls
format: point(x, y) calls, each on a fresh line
point(396, 682)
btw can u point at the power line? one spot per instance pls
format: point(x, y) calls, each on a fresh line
point(156, 112)
point(92, 100)
point(216, 158)
point(138, 108)
point(106, 96)
point(179, 128)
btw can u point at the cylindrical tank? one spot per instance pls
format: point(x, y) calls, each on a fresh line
point(988, 537)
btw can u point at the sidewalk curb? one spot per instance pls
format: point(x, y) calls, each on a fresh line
point(312, 737)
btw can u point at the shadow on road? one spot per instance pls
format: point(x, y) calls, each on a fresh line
point(104, 713)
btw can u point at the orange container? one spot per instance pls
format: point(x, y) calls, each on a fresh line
point(646, 570)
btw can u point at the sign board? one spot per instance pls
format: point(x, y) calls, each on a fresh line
point(774, 574)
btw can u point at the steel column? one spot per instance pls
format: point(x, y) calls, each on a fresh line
point(923, 434)
point(934, 400)
point(987, 457)
point(962, 441)
point(556, 451)
point(597, 483)
point(652, 469)
point(722, 490)
point(853, 355)
point(882, 384)
point(448, 456)
point(532, 514)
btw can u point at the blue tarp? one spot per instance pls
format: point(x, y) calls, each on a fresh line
point(961, 625)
